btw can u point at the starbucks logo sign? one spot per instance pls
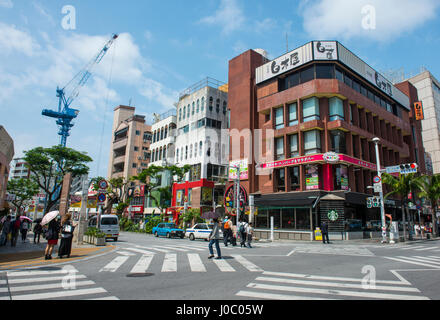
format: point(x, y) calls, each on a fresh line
point(333, 215)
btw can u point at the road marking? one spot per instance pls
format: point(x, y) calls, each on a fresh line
point(403, 259)
point(49, 286)
point(3, 290)
point(160, 249)
point(145, 252)
point(223, 265)
point(423, 260)
point(2, 281)
point(170, 263)
point(291, 252)
point(106, 298)
point(373, 295)
point(175, 248)
point(273, 296)
point(412, 247)
point(434, 257)
point(334, 284)
point(247, 264)
point(196, 263)
point(59, 294)
point(306, 276)
point(125, 253)
point(39, 272)
point(191, 248)
point(31, 280)
point(425, 249)
point(143, 264)
point(114, 264)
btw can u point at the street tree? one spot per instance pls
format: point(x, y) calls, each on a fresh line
point(23, 190)
point(401, 186)
point(429, 187)
point(48, 166)
point(116, 193)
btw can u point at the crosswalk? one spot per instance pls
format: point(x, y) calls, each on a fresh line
point(59, 284)
point(291, 286)
point(348, 250)
point(423, 261)
point(408, 247)
point(141, 260)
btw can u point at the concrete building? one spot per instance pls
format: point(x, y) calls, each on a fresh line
point(428, 90)
point(19, 170)
point(318, 108)
point(202, 142)
point(130, 146)
point(6, 155)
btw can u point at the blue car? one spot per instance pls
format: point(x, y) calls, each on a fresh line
point(168, 230)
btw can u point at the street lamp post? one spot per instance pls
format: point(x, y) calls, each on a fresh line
point(382, 204)
point(237, 193)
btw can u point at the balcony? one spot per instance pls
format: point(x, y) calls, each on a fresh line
point(120, 143)
point(119, 160)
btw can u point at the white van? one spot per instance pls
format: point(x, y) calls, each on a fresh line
point(109, 225)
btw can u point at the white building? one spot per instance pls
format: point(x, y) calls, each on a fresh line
point(428, 90)
point(19, 170)
point(164, 135)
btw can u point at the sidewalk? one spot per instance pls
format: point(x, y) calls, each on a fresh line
point(28, 254)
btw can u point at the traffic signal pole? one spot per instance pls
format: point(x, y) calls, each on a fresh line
point(382, 204)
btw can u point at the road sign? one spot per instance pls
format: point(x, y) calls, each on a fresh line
point(103, 185)
point(377, 179)
point(392, 169)
point(101, 198)
point(377, 187)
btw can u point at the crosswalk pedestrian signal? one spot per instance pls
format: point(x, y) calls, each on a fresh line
point(369, 203)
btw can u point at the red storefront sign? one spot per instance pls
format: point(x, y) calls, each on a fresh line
point(137, 209)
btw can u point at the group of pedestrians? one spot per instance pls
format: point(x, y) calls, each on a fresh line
point(11, 230)
point(244, 230)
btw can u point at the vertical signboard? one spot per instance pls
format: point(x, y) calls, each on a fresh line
point(418, 108)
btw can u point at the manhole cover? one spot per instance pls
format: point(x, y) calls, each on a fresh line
point(139, 275)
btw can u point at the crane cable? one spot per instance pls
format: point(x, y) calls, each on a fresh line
point(109, 83)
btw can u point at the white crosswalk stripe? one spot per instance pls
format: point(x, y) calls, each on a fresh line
point(426, 249)
point(114, 264)
point(60, 284)
point(196, 263)
point(170, 263)
point(418, 260)
point(146, 252)
point(143, 264)
point(247, 264)
point(275, 285)
point(223, 265)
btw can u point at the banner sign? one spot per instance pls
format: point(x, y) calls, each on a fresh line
point(418, 107)
point(244, 171)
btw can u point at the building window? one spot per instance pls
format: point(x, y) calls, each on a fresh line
point(356, 86)
point(180, 114)
point(164, 152)
point(340, 177)
point(279, 118)
point(312, 177)
point(336, 109)
point(160, 154)
point(302, 219)
point(225, 107)
point(203, 104)
point(134, 165)
point(292, 80)
point(293, 114)
point(294, 178)
point(198, 105)
point(339, 74)
point(201, 149)
point(195, 150)
point(191, 151)
point(325, 71)
point(347, 80)
point(136, 148)
point(184, 112)
point(338, 141)
point(281, 180)
point(294, 151)
point(189, 110)
point(138, 133)
point(312, 142)
point(307, 74)
point(177, 155)
point(154, 154)
point(311, 109)
point(166, 133)
point(279, 145)
point(161, 134)
point(217, 106)
point(193, 108)
point(211, 102)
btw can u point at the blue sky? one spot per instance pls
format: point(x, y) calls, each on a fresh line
point(166, 46)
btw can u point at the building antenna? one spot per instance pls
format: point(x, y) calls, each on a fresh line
point(129, 102)
point(287, 42)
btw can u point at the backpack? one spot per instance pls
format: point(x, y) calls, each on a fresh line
point(241, 229)
point(226, 225)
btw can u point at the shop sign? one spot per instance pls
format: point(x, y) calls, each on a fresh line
point(244, 171)
point(333, 215)
point(325, 50)
point(331, 157)
point(418, 107)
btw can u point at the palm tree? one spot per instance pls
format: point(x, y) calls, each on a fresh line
point(401, 186)
point(429, 187)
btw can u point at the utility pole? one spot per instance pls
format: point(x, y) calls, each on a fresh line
point(382, 204)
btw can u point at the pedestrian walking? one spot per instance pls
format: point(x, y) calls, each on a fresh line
point(227, 231)
point(242, 227)
point(6, 231)
point(66, 237)
point(24, 227)
point(250, 234)
point(15, 229)
point(214, 238)
point(38, 229)
point(52, 235)
point(324, 231)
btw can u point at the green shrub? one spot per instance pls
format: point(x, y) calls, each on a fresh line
point(94, 232)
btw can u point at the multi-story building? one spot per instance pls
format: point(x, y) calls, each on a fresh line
point(202, 143)
point(19, 169)
point(130, 146)
point(6, 155)
point(428, 90)
point(312, 114)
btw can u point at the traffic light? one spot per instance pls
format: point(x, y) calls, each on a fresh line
point(408, 168)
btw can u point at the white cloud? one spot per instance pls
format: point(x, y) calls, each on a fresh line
point(329, 19)
point(229, 16)
point(15, 40)
point(265, 25)
point(6, 4)
point(42, 11)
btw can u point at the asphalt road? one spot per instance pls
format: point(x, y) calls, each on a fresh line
point(143, 267)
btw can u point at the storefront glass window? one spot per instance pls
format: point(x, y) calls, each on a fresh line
point(303, 219)
point(261, 220)
point(294, 178)
point(311, 109)
point(341, 177)
point(281, 179)
point(279, 118)
point(336, 109)
point(276, 214)
point(312, 177)
point(312, 142)
point(288, 218)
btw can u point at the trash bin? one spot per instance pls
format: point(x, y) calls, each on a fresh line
point(428, 236)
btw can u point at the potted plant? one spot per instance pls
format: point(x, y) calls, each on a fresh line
point(94, 236)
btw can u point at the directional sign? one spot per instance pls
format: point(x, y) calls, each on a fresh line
point(377, 187)
point(393, 169)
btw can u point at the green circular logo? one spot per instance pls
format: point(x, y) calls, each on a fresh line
point(333, 215)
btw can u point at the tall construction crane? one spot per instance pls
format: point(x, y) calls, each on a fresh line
point(65, 114)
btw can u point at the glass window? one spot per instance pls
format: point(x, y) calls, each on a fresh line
point(312, 177)
point(181, 154)
point(383, 103)
point(338, 141)
point(281, 180)
point(356, 85)
point(389, 107)
point(340, 177)
point(189, 110)
point(184, 112)
point(279, 118)
point(311, 109)
point(198, 106)
point(217, 106)
point(288, 218)
point(177, 155)
point(203, 104)
point(225, 107)
point(191, 151)
point(293, 114)
point(292, 80)
point(370, 95)
point(312, 142)
point(186, 152)
point(279, 143)
point(211, 102)
point(364, 91)
point(180, 114)
point(294, 178)
point(303, 219)
point(201, 148)
point(193, 108)
point(294, 151)
point(307, 74)
point(347, 80)
point(339, 74)
point(325, 71)
point(195, 150)
point(377, 99)
point(261, 220)
point(336, 109)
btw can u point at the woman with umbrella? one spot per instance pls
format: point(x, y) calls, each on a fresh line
point(24, 227)
point(66, 237)
point(52, 232)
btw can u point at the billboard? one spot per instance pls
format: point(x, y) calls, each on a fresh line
point(244, 171)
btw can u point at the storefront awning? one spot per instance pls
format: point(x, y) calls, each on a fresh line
point(290, 199)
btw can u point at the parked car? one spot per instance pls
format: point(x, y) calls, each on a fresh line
point(168, 230)
point(109, 225)
point(200, 231)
